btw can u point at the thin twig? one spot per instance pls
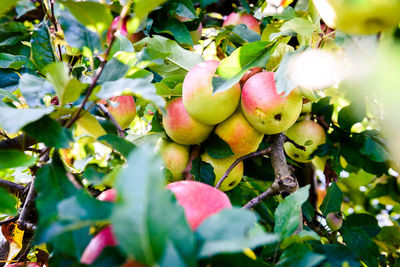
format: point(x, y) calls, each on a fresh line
point(287, 139)
point(195, 152)
point(255, 201)
point(11, 187)
point(106, 113)
point(26, 211)
point(54, 21)
point(20, 142)
point(236, 162)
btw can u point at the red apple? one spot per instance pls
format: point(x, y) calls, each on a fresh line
point(265, 109)
point(198, 200)
point(23, 264)
point(134, 37)
point(247, 19)
point(199, 99)
point(109, 195)
point(181, 127)
point(124, 111)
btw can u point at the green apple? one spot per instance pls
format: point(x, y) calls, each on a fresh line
point(306, 133)
point(359, 16)
point(175, 157)
point(200, 101)
point(334, 220)
point(265, 109)
point(220, 166)
point(240, 18)
point(238, 133)
point(181, 127)
point(198, 200)
point(122, 108)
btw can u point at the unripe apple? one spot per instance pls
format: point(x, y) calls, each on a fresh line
point(239, 134)
point(198, 200)
point(361, 16)
point(181, 127)
point(200, 101)
point(134, 37)
point(265, 109)
point(220, 166)
point(247, 19)
point(122, 108)
point(306, 133)
point(334, 220)
point(175, 157)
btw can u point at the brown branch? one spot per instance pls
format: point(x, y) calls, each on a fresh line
point(54, 21)
point(287, 139)
point(284, 182)
point(20, 142)
point(106, 113)
point(195, 152)
point(236, 162)
point(11, 187)
point(27, 209)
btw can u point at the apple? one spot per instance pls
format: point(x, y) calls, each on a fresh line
point(200, 101)
point(196, 34)
point(306, 133)
point(134, 37)
point(265, 109)
point(246, 19)
point(23, 264)
point(122, 108)
point(334, 220)
point(359, 17)
point(198, 200)
point(220, 166)
point(109, 195)
point(248, 74)
point(175, 157)
point(181, 127)
point(238, 133)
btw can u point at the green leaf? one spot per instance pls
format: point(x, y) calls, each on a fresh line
point(362, 222)
point(95, 16)
point(12, 119)
point(350, 115)
point(113, 70)
point(277, 55)
point(308, 211)
point(232, 68)
point(287, 215)
point(217, 148)
point(4, 93)
point(338, 255)
point(139, 86)
point(179, 61)
point(6, 5)
point(42, 51)
point(121, 44)
point(177, 29)
point(141, 9)
point(204, 3)
point(156, 125)
point(332, 200)
point(34, 88)
point(170, 86)
point(8, 203)
point(50, 132)
point(120, 144)
point(374, 146)
point(246, 34)
point(299, 26)
point(146, 215)
point(390, 235)
point(14, 62)
point(230, 231)
point(203, 171)
point(23, 7)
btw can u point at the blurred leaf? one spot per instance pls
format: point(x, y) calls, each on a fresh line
point(203, 171)
point(50, 132)
point(180, 61)
point(374, 146)
point(141, 9)
point(156, 123)
point(350, 115)
point(323, 108)
point(230, 231)
point(299, 255)
point(232, 68)
point(299, 26)
point(14, 62)
point(362, 222)
point(338, 255)
point(246, 34)
point(146, 215)
point(12, 119)
point(204, 3)
point(287, 215)
point(308, 211)
point(217, 148)
point(6, 5)
point(23, 7)
point(277, 55)
point(390, 235)
point(177, 29)
point(95, 16)
point(90, 125)
point(42, 51)
point(113, 70)
point(34, 88)
point(15, 158)
point(8, 203)
point(121, 44)
point(332, 200)
point(121, 145)
point(9, 79)
point(4, 93)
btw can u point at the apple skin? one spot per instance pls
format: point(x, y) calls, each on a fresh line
point(220, 166)
point(109, 195)
point(198, 97)
point(134, 37)
point(239, 134)
point(334, 220)
point(247, 19)
point(198, 200)
point(265, 109)
point(301, 132)
point(359, 17)
point(125, 111)
point(23, 264)
point(175, 157)
point(181, 127)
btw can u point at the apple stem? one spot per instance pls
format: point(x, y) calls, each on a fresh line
point(194, 153)
point(284, 182)
point(106, 113)
point(287, 139)
point(236, 162)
